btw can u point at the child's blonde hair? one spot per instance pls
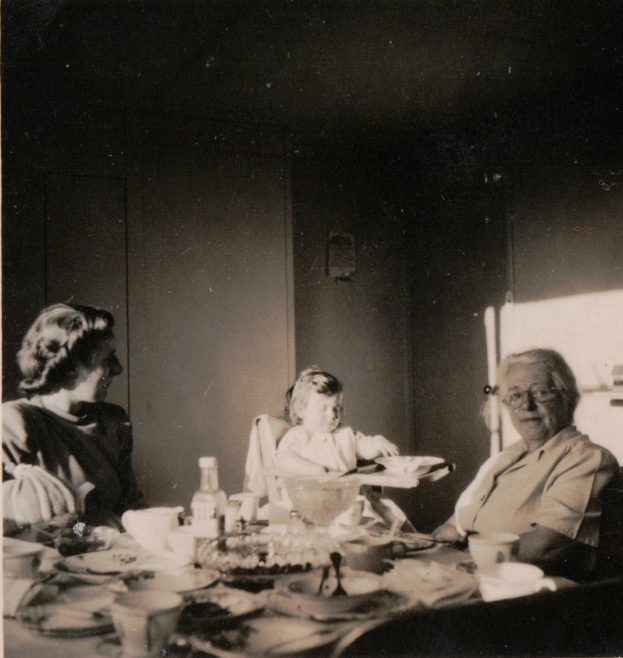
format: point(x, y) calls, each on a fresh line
point(309, 380)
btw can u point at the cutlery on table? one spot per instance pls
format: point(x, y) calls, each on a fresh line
point(336, 561)
point(325, 574)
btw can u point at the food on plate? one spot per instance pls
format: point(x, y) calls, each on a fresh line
point(312, 595)
point(227, 639)
point(433, 584)
point(217, 608)
point(66, 533)
point(81, 538)
point(401, 464)
point(196, 613)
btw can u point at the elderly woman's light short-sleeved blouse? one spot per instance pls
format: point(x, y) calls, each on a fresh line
point(556, 486)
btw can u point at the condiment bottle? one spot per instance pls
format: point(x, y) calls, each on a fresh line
point(209, 502)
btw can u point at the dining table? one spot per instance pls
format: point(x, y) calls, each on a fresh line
point(320, 636)
point(284, 633)
point(23, 640)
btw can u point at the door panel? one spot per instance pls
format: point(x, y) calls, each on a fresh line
point(213, 327)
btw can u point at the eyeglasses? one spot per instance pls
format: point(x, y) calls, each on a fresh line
point(540, 394)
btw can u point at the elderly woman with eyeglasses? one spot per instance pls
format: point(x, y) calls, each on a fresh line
point(65, 450)
point(545, 487)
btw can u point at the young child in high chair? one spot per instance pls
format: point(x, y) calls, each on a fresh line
point(317, 444)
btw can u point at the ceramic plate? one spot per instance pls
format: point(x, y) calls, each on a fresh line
point(414, 541)
point(382, 603)
point(218, 606)
point(180, 581)
point(63, 620)
point(104, 563)
point(399, 465)
point(117, 561)
point(272, 636)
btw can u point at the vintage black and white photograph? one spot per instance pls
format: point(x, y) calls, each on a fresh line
point(312, 328)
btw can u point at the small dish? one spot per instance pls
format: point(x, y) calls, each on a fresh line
point(315, 594)
point(402, 464)
point(216, 607)
point(64, 620)
point(269, 636)
point(20, 560)
point(104, 563)
point(381, 603)
point(179, 581)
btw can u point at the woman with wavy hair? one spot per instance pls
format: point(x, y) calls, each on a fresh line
point(64, 449)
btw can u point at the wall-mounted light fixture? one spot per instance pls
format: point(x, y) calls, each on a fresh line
point(341, 256)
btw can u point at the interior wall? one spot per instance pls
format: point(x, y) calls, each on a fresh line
point(211, 325)
point(358, 329)
point(567, 231)
point(458, 260)
point(201, 210)
point(23, 265)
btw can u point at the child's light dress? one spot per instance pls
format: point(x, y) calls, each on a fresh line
point(336, 451)
point(339, 451)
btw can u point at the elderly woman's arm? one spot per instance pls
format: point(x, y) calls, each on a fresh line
point(544, 546)
point(568, 522)
point(448, 532)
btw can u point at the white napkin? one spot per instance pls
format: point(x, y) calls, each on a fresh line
point(430, 583)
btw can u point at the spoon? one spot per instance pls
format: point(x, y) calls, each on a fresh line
point(325, 574)
point(336, 560)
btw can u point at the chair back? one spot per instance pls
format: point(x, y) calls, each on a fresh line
point(610, 551)
point(270, 430)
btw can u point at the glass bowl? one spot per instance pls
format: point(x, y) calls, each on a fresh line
point(320, 500)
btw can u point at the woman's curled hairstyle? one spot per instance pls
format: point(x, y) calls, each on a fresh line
point(62, 338)
point(310, 379)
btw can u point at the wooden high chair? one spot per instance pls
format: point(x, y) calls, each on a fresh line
point(261, 474)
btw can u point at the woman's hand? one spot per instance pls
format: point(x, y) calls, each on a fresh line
point(447, 533)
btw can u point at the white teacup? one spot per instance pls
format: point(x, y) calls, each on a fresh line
point(145, 619)
point(21, 561)
point(492, 548)
point(248, 506)
point(150, 527)
point(511, 579)
point(185, 540)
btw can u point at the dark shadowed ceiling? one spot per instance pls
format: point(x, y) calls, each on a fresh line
point(386, 75)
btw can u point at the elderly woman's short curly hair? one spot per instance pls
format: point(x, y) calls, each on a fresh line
point(312, 379)
point(62, 338)
point(558, 370)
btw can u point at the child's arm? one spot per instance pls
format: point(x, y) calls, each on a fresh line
point(289, 460)
point(371, 447)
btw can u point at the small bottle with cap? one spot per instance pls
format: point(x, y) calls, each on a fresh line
point(209, 501)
